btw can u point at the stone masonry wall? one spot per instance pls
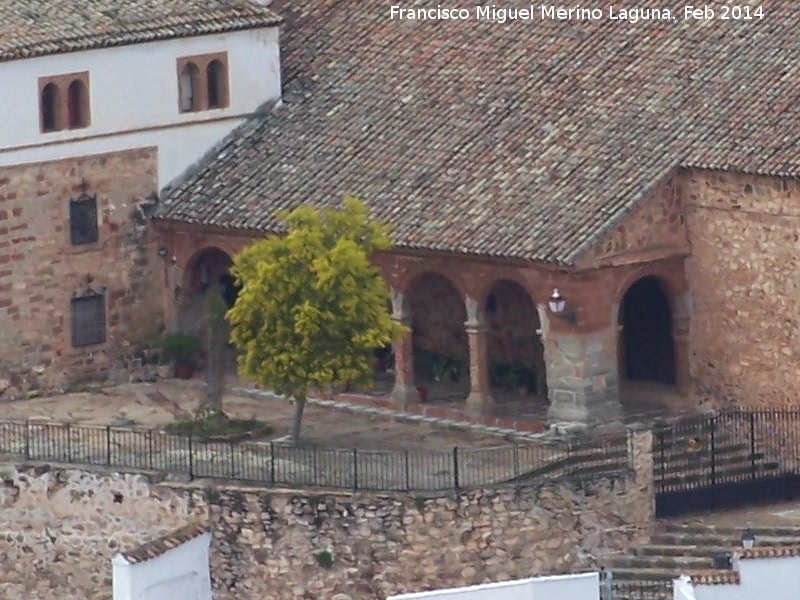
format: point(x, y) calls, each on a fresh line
point(62, 527)
point(658, 223)
point(40, 269)
point(744, 273)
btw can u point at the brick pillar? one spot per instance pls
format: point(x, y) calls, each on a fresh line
point(640, 453)
point(680, 342)
point(480, 399)
point(582, 376)
point(404, 392)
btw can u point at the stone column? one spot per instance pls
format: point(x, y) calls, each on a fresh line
point(480, 399)
point(680, 341)
point(404, 392)
point(582, 376)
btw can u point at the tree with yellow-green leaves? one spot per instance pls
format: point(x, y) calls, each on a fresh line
point(312, 309)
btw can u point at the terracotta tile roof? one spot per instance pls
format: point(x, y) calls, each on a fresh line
point(770, 552)
point(714, 577)
point(39, 27)
point(158, 547)
point(525, 140)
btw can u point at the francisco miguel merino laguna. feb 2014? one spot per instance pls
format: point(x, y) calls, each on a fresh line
point(546, 12)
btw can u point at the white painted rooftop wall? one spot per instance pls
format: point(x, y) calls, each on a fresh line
point(761, 578)
point(133, 93)
point(181, 573)
point(583, 586)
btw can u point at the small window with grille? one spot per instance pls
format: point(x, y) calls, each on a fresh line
point(83, 219)
point(88, 319)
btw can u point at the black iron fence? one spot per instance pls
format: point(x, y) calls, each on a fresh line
point(283, 464)
point(735, 456)
point(637, 590)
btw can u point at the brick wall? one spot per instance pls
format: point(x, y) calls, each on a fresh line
point(40, 269)
point(744, 273)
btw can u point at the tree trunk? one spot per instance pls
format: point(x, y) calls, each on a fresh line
point(216, 339)
point(299, 405)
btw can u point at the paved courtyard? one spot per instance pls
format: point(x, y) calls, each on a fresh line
point(150, 405)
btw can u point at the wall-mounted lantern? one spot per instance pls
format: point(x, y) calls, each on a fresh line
point(748, 539)
point(558, 307)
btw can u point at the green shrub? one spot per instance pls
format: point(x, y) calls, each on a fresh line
point(180, 346)
point(324, 559)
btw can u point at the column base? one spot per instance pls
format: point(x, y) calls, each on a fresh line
point(572, 407)
point(479, 403)
point(404, 395)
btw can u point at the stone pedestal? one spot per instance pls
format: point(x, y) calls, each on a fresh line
point(404, 392)
point(479, 400)
point(582, 377)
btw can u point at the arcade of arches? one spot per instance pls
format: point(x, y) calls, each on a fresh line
point(483, 338)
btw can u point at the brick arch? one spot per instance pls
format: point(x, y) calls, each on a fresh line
point(670, 283)
point(406, 282)
point(480, 293)
point(197, 277)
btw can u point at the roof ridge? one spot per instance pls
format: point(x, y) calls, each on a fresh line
point(160, 545)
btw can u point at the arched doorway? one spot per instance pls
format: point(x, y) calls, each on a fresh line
point(207, 268)
point(439, 339)
point(646, 350)
point(515, 351)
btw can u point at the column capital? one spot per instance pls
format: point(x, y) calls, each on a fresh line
point(404, 318)
point(476, 326)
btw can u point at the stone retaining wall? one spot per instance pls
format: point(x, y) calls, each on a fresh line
point(62, 526)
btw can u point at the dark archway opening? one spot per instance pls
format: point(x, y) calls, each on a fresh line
point(441, 353)
point(647, 351)
point(212, 267)
point(516, 355)
point(209, 267)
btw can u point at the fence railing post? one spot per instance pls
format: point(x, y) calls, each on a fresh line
point(516, 463)
point(233, 460)
point(752, 445)
point(272, 462)
point(69, 445)
point(456, 485)
point(314, 462)
point(108, 445)
point(408, 472)
point(27, 439)
point(191, 459)
point(355, 468)
point(713, 464)
point(150, 448)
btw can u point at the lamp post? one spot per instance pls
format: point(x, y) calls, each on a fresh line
point(558, 305)
point(748, 539)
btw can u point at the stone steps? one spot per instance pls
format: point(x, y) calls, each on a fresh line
point(724, 472)
point(720, 540)
point(689, 528)
point(627, 574)
point(678, 550)
point(646, 572)
point(674, 564)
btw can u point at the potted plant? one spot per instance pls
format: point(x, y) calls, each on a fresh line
point(181, 348)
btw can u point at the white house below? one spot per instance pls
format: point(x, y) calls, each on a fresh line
point(582, 586)
point(174, 567)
